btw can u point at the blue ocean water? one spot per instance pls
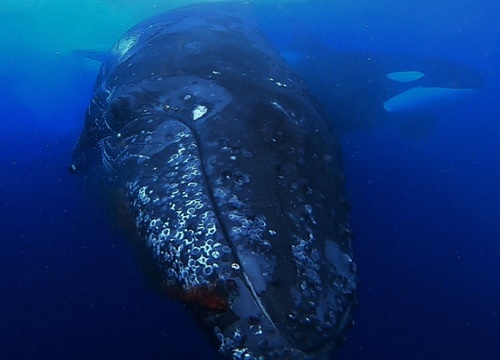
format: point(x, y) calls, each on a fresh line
point(424, 209)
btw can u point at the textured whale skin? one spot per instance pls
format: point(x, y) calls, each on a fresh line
point(233, 178)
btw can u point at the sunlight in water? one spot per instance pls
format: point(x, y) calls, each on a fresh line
point(67, 25)
point(43, 36)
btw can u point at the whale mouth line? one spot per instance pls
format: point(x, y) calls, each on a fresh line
point(227, 236)
point(259, 302)
point(246, 281)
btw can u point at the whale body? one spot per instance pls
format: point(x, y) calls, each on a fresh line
point(233, 178)
point(426, 98)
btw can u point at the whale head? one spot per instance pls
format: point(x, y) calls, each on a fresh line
point(233, 178)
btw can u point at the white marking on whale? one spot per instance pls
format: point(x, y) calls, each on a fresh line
point(199, 111)
point(405, 76)
point(123, 46)
point(425, 98)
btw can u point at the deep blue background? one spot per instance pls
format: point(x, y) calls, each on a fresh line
point(424, 211)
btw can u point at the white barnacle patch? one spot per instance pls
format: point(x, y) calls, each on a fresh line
point(256, 329)
point(143, 196)
point(309, 210)
point(278, 83)
point(302, 251)
point(180, 230)
point(199, 111)
point(123, 46)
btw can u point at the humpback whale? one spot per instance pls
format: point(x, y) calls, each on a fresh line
point(233, 179)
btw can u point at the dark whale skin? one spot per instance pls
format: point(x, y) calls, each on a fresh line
point(233, 177)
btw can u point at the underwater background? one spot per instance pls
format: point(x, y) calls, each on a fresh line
point(425, 199)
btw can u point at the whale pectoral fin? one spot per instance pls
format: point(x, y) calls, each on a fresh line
point(97, 55)
point(405, 76)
